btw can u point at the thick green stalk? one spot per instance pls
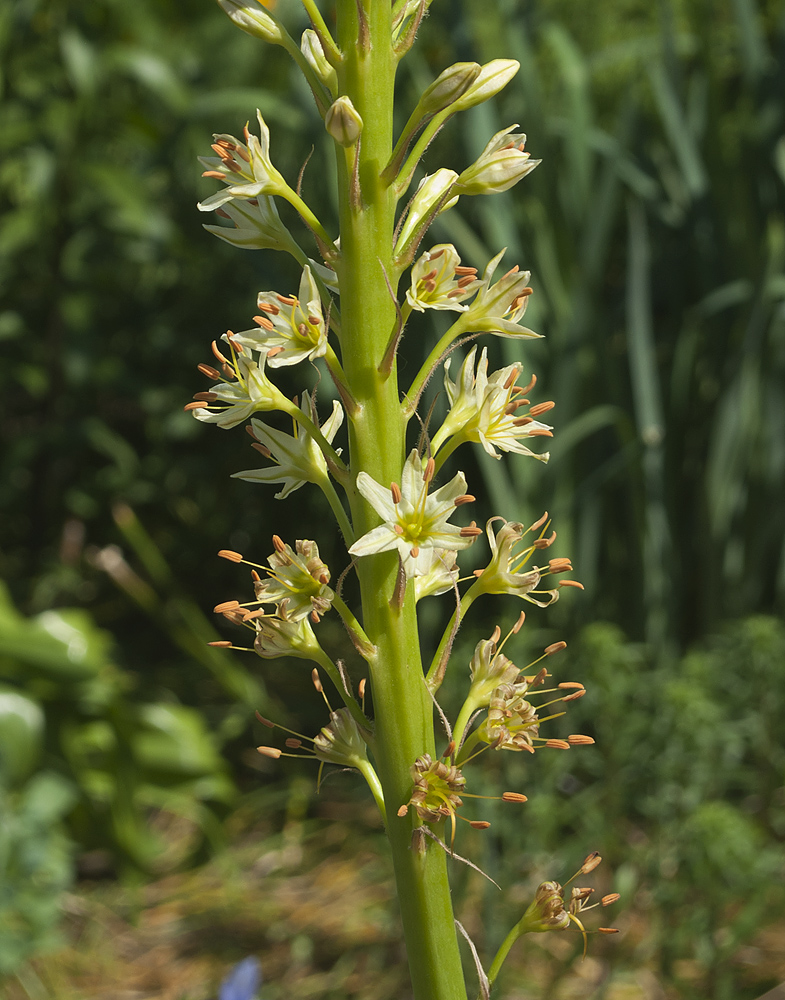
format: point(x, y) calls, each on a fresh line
point(402, 706)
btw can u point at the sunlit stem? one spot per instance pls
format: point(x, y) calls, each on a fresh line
point(432, 677)
point(338, 509)
point(308, 217)
point(354, 627)
point(414, 392)
point(370, 775)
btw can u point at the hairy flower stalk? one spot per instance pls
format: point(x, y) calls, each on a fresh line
point(404, 530)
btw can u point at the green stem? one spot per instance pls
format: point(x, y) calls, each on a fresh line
point(354, 626)
point(338, 510)
point(403, 710)
point(331, 50)
point(436, 670)
point(367, 771)
point(414, 392)
point(307, 216)
point(503, 951)
point(334, 674)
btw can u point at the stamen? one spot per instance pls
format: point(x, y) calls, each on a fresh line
point(196, 406)
point(207, 397)
point(540, 432)
point(472, 531)
point(465, 498)
point(395, 490)
point(287, 300)
point(273, 752)
point(575, 696)
point(566, 685)
point(555, 647)
point(210, 372)
point(612, 897)
point(571, 583)
point(278, 544)
point(214, 173)
point(268, 307)
point(530, 386)
point(429, 471)
point(264, 322)
point(218, 354)
point(576, 740)
point(591, 862)
point(220, 609)
point(514, 797)
point(265, 722)
point(466, 281)
point(519, 624)
point(316, 682)
point(292, 744)
point(522, 421)
point(559, 565)
point(557, 744)
point(220, 643)
point(607, 930)
point(539, 523)
point(231, 555)
point(462, 270)
point(479, 824)
point(542, 408)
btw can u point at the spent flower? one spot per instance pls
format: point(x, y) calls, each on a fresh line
point(297, 581)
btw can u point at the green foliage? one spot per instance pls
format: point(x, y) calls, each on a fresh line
point(82, 759)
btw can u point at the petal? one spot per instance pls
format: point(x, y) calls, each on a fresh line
point(378, 497)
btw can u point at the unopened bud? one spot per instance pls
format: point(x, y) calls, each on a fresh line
point(449, 86)
point(343, 123)
point(311, 48)
point(247, 15)
point(492, 78)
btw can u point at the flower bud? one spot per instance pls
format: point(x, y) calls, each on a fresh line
point(546, 912)
point(493, 77)
point(311, 48)
point(340, 742)
point(448, 87)
point(501, 164)
point(259, 23)
point(432, 189)
point(343, 123)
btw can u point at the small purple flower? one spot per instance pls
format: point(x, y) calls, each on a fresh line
point(243, 981)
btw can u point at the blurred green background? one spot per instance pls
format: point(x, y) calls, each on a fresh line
point(655, 233)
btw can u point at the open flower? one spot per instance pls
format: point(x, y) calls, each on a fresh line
point(297, 457)
point(498, 308)
point(440, 282)
point(485, 410)
point(231, 402)
point(441, 576)
point(501, 164)
point(290, 328)
point(257, 225)
point(414, 520)
point(245, 168)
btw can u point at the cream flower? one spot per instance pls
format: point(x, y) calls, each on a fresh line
point(290, 328)
point(230, 403)
point(499, 308)
point(257, 225)
point(298, 459)
point(501, 164)
point(441, 576)
point(486, 409)
point(245, 167)
point(414, 521)
point(440, 282)
point(431, 198)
